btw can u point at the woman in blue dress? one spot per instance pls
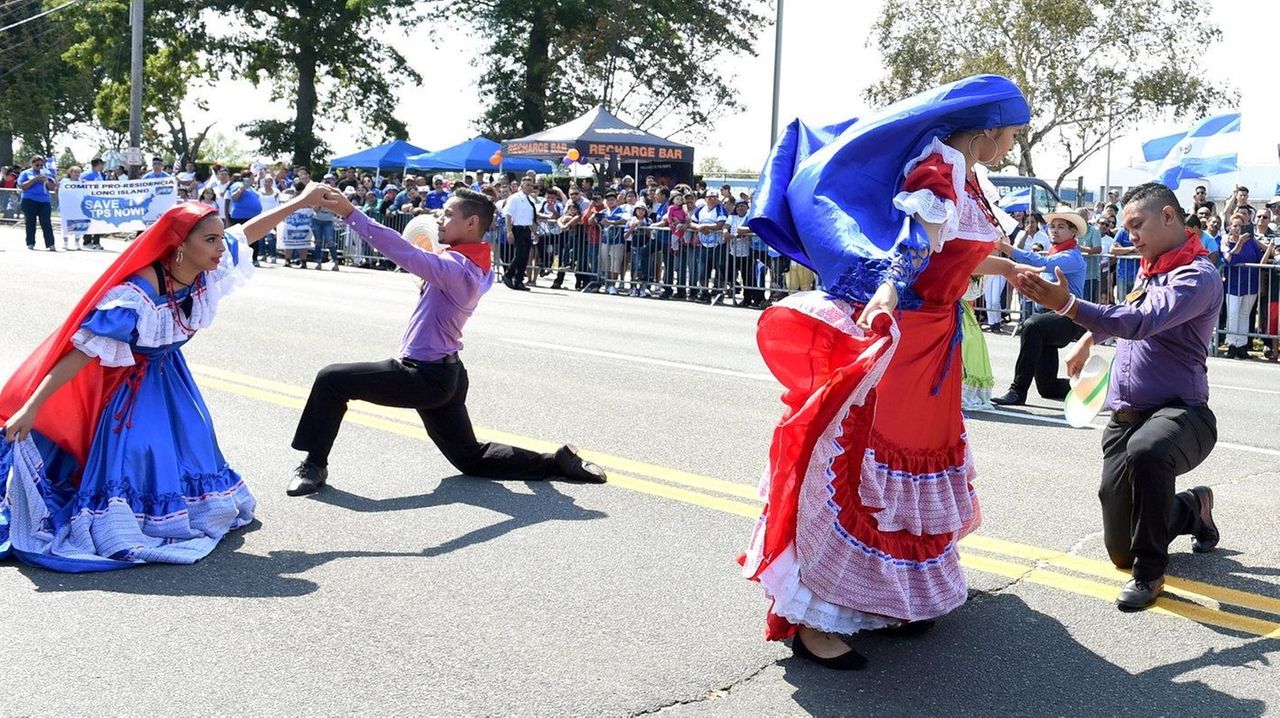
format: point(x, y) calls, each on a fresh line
point(109, 458)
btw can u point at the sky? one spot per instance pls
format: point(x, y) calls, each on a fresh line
point(826, 66)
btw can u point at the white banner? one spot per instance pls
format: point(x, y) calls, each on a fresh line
point(295, 230)
point(115, 206)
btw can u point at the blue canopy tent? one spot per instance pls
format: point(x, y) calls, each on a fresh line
point(390, 156)
point(472, 155)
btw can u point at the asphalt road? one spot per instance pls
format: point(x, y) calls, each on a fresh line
point(406, 589)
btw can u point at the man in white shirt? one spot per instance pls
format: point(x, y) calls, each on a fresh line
point(709, 222)
point(521, 213)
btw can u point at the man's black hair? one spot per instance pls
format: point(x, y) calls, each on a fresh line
point(1154, 196)
point(475, 204)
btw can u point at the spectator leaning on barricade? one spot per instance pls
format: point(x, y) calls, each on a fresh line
point(438, 195)
point(37, 204)
point(588, 279)
point(269, 197)
point(1240, 249)
point(1090, 244)
point(612, 222)
point(638, 237)
point(1271, 273)
point(1126, 264)
point(547, 236)
point(743, 272)
point(709, 222)
point(325, 231)
point(570, 224)
point(1045, 332)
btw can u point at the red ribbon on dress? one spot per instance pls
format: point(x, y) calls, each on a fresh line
point(1175, 258)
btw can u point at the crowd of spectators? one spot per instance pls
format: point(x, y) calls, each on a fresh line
point(667, 241)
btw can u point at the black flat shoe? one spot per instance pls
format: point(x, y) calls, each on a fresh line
point(910, 629)
point(1139, 595)
point(849, 661)
point(1010, 398)
point(308, 479)
point(1206, 539)
point(576, 468)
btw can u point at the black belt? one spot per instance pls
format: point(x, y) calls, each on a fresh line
point(446, 359)
point(1131, 416)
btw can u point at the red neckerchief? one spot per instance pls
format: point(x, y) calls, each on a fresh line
point(1175, 258)
point(1062, 246)
point(477, 252)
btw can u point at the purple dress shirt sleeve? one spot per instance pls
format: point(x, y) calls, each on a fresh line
point(436, 269)
point(1180, 299)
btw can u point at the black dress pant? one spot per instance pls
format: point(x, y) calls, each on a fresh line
point(1042, 336)
point(437, 391)
point(1140, 460)
point(520, 257)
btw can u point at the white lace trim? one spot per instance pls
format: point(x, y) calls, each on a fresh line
point(795, 602)
point(157, 326)
point(112, 352)
point(960, 220)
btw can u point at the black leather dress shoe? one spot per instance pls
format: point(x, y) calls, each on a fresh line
point(307, 479)
point(850, 661)
point(1010, 398)
point(576, 468)
point(1139, 595)
point(1206, 539)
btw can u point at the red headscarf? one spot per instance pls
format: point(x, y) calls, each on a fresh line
point(70, 416)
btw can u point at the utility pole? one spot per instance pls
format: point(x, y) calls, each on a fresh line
point(134, 154)
point(777, 73)
point(1107, 180)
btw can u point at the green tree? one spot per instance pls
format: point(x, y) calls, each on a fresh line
point(549, 62)
point(173, 46)
point(41, 96)
point(329, 60)
point(1090, 69)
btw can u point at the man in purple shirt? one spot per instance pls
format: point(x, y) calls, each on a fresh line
point(428, 375)
point(1161, 425)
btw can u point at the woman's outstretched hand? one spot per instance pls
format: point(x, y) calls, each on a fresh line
point(884, 300)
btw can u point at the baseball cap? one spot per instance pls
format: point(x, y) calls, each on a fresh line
point(349, 191)
point(330, 175)
point(157, 161)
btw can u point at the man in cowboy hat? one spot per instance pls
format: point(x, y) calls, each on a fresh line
point(1161, 425)
point(1045, 332)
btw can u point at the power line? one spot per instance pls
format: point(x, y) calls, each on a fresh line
point(50, 11)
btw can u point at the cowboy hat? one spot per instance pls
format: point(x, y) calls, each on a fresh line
point(1088, 391)
point(1072, 216)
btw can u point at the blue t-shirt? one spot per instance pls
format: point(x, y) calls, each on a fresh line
point(92, 176)
point(156, 175)
point(38, 192)
point(1127, 266)
point(249, 205)
point(437, 198)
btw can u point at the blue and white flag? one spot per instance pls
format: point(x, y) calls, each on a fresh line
point(1211, 147)
point(115, 206)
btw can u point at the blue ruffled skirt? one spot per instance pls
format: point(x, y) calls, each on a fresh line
point(155, 486)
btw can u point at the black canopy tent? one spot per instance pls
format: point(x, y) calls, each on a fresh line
point(599, 136)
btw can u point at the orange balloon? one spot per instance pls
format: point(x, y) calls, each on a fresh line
point(496, 158)
point(574, 155)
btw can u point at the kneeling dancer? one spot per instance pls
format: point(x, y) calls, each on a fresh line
point(428, 376)
point(1161, 425)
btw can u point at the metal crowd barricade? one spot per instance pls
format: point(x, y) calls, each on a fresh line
point(712, 269)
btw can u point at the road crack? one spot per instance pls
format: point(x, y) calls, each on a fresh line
point(711, 695)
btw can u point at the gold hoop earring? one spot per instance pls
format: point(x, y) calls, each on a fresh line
point(975, 155)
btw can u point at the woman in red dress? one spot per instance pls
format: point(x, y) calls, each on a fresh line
point(869, 485)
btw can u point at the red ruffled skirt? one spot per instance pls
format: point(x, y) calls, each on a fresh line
point(868, 488)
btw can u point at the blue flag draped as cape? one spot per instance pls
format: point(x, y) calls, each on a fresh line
point(825, 196)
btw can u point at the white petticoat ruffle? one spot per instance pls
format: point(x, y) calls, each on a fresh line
point(794, 601)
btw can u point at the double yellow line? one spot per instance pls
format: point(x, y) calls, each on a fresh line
point(1196, 601)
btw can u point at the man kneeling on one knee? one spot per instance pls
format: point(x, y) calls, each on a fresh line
point(1045, 332)
point(1161, 425)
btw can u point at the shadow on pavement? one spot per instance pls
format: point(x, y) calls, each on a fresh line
point(226, 572)
point(1221, 568)
point(1000, 657)
point(546, 503)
